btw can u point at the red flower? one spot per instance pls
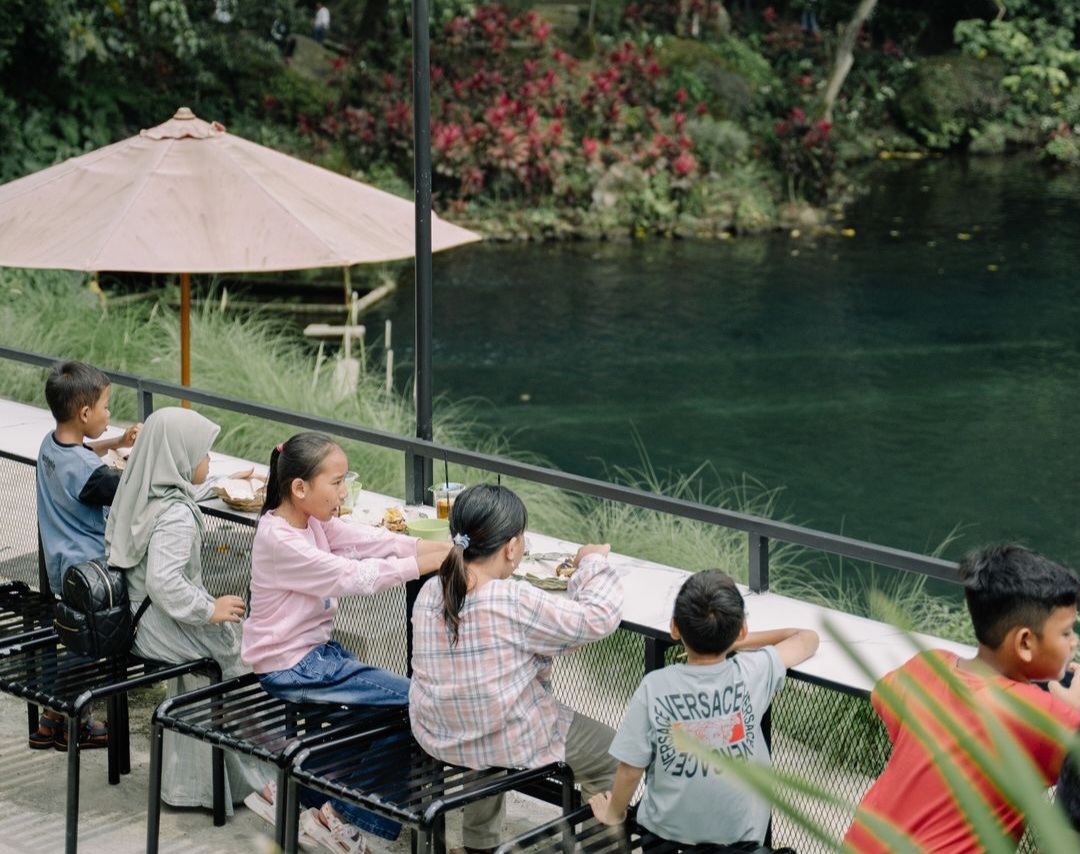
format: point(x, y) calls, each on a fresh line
point(797, 114)
point(770, 15)
point(681, 96)
point(701, 109)
point(781, 128)
point(684, 164)
point(590, 146)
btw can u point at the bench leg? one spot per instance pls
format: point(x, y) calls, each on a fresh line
point(437, 842)
point(115, 749)
point(153, 807)
point(280, 809)
point(125, 733)
point(71, 825)
point(217, 771)
point(292, 817)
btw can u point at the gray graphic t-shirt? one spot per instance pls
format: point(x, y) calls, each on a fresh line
point(687, 800)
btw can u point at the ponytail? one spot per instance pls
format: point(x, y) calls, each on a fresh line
point(482, 519)
point(300, 457)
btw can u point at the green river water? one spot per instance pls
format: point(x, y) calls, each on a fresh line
point(921, 375)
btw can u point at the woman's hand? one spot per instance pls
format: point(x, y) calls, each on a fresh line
point(228, 609)
point(591, 549)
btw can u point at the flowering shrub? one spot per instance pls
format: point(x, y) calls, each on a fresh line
point(514, 116)
point(805, 155)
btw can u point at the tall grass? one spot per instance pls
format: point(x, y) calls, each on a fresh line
point(252, 356)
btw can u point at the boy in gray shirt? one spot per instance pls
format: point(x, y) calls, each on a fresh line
point(718, 699)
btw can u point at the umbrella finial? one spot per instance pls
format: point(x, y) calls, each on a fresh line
point(185, 124)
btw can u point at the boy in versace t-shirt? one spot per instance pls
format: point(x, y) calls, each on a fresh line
point(718, 699)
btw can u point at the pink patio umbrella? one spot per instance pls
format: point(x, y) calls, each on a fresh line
point(188, 197)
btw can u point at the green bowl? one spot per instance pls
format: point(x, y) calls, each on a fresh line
point(429, 529)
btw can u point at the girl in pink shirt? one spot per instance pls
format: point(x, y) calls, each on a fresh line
point(304, 558)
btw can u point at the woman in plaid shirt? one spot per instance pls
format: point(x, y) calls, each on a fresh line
point(482, 648)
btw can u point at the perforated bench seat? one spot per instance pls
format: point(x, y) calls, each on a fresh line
point(580, 833)
point(239, 715)
point(386, 772)
point(44, 673)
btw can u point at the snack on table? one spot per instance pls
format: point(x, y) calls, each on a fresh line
point(566, 568)
point(246, 493)
point(394, 520)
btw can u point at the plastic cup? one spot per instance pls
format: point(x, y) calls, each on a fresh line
point(352, 489)
point(445, 493)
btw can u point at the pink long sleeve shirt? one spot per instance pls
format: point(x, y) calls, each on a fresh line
point(297, 575)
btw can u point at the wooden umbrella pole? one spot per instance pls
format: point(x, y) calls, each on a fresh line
point(185, 332)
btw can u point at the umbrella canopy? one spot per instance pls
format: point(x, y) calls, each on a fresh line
point(188, 197)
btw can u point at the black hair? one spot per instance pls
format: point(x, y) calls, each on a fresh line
point(72, 385)
point(1009, 586)
point(489, 516)
point(300, 457)
point(709, 612)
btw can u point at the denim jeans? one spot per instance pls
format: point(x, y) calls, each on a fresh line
point(330, 674)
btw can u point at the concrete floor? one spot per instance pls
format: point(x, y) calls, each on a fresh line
point(112, 819)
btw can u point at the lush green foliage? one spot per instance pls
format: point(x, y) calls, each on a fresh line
point(660, 117)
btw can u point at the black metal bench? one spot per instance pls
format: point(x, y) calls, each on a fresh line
point(580, 833)
point(239, 715)
point(44, 673)
point(385, 771)
point(24, 613)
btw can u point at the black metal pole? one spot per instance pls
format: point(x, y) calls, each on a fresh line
point(420, 476)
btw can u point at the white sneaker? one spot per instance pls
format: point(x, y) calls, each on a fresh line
point(334, 835)
point(258, 804)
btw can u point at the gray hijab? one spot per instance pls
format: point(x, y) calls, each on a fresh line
point(172, 443)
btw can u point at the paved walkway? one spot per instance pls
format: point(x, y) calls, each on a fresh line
point(112, 819)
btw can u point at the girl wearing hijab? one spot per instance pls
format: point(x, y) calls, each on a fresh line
point(154, 534)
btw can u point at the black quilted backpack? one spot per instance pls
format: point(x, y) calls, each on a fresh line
point(94, 616)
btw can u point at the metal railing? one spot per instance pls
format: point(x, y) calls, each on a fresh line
point(759, 531)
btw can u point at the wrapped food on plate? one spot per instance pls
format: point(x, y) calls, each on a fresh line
point(394, 520)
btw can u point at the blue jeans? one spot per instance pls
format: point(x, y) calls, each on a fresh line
point(330, 674)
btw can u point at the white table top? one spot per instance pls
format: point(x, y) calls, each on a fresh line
point(650, 588)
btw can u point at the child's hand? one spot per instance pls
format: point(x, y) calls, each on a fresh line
point(227, 609)
point(591, 549)
point(1070, 695)
point(600, 803)
point(128, 439)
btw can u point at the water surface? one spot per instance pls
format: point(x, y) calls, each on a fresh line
point(894, 383)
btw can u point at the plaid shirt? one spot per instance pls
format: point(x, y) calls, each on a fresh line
point(486, 701)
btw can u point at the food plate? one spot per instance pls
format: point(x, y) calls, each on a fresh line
point(376, 516)
point(117, 459)
point(541, 570)
point(241, 493)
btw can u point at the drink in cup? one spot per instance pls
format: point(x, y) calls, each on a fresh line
point(352, 490)
point(445, 493)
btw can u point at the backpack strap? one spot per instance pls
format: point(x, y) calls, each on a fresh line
point(146, 603)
